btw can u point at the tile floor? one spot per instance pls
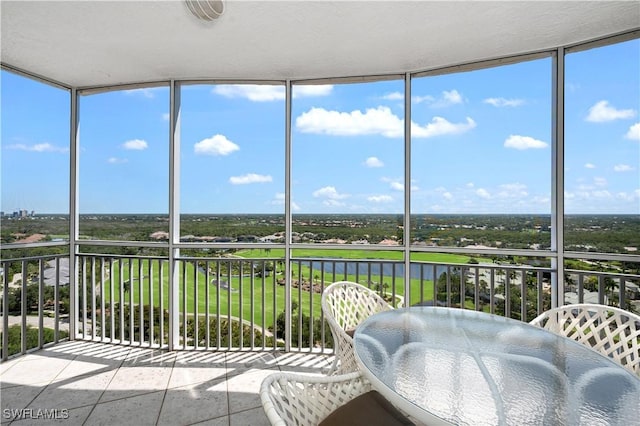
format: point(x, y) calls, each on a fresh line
point(86, 383)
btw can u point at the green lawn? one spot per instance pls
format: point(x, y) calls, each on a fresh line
point(255, 296)
point(354, 254)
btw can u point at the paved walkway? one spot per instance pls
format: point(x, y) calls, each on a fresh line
point(32, 320)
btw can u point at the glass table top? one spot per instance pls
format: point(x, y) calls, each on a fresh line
point(467, 367)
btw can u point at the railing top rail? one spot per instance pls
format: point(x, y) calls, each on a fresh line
point(122, 256)
point(603, 273)
point(38, 257)
point(39, 244)
point(489, 266)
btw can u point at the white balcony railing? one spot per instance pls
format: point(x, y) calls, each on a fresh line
point(226, 303)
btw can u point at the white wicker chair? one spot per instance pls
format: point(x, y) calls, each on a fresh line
point(611, 331)
point(290, 399)
point(346, 304)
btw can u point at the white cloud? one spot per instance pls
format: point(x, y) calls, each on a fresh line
point(600, 181)
point(602, 112)
point(634, 132)
point(440, 126)
point(584, 193)
point(450, 98)
point(380, 199)
point(116, 160)
point(398, 186)
point(601, 194)
point(279, 200)
point(447, 98)
point(373, 162)
point(165, 116)
point(483, 193)
point(447, 195)
point(523, 142)
point(312, 90)
point(589, 166)
point(513, 190)
point(627, 196)
point(378, 120)
point(267, 93)
point(135, 145)
point(39, 147)
point(394, 96)
point(215, 145)
point(622, 168)
point(502, 102)
point(329, 193)
point(249, 178)
point(333, 203)
point(146, 92)
point(253, 92)
point(596, 184)
point(421, 99)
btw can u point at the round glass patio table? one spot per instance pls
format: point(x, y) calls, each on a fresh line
point(457, 366)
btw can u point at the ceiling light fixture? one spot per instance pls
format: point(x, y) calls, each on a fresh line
point(207, 10)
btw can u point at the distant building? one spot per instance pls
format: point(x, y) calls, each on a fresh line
point(21, 213)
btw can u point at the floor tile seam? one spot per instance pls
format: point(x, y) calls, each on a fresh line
point(102, 393)
point(86, 375)
point(196, 383)
point(228, 416)
point(48, 383)
point(226, 386)
point(46, 389)
point(250, 369)
point(13, 363)
point(248, 409)
point(164, 397)
point(134, 395)
point(118, 399)
point(83, 376)
point(34, 384)
point(166, 388)
point(4, 386)
point(80, 406)
point(257, 392)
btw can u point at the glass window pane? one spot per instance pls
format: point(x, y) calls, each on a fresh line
point(124, 165)
point(481, 157)
point(348, 162)
point(602, 149)
point(232, 162)
point(35, 160)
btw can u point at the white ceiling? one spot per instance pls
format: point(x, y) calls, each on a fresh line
point(96, 43)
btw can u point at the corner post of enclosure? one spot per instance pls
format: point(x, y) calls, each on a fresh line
point(557, 179)
point(288, 217)
point(74, 229)
point(174, 213)
point(406, 235)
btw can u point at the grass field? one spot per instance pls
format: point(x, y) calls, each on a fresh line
point(249, 298)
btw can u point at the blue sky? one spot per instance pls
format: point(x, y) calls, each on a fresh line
point(481, 143)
